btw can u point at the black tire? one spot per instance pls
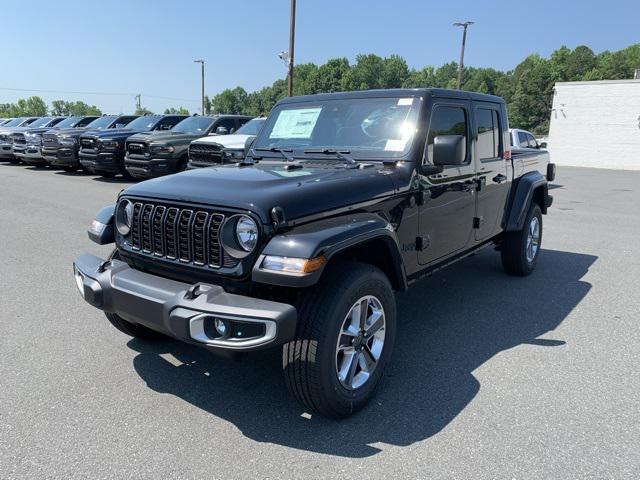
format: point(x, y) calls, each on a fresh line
point(182, 165)
point(70, 169)
point(128, 328)
point(310, 362)
point(514, 247)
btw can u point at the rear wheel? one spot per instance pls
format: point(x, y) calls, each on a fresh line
point(521, 249)
point(345, 335)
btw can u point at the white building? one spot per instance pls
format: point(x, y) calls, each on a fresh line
point(596, 124)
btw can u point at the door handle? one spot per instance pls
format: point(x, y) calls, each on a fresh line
point(499, 178)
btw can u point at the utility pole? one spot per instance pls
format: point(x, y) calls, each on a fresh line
point(292, 33)
point(138, 102)
point(464, 25)
point(201, 62)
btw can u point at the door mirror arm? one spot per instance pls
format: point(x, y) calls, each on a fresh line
point(426, 169)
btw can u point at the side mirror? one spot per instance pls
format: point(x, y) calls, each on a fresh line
point(449, 150)
point(222, 131)
point(248, 143)
point(542, 145)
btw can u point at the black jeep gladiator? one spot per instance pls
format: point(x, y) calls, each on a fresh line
point(163, 153)
point(342, 200)
point(103, 152)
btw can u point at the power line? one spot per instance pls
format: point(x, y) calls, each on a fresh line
point(159, 97)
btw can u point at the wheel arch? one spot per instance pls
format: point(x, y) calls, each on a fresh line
point(363, 237)
point(531, 187)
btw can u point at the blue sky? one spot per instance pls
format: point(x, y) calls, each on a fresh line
point(148, 47)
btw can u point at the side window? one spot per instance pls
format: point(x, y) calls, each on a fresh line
point(488, 143)
point(532, 141)
point(168, 123)
point(242, 121)
point(228, 123)
point(522, 140)
point(85, 121)
point(446, 121)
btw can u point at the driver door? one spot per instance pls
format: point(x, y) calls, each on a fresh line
point(448, 206)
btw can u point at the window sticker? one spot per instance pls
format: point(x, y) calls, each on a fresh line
point(393, 145)
point(296, 123)
point(405, 101)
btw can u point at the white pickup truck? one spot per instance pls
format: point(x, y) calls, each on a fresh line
point(219, 149)
point(523, 146)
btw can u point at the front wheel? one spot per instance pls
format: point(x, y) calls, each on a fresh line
point(521, 249)
point(346, 329)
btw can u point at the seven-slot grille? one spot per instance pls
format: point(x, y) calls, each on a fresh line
point(190, 236)
point(201, 152)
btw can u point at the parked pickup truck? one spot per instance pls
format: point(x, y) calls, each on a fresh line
point(28, 140)
point(218, 149)
point(103, 152)
point(342, 200)
point(525, 146)
point(162, 153)
point(60, 149)
point(6, 136)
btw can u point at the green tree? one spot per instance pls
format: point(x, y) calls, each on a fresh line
point(178, 111)
point(143, 111)
point(62, 107)
point(230, 101)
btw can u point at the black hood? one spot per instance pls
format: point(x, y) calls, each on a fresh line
point(117, 133)
point(259, 188)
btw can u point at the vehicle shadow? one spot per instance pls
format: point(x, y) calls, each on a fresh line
point(449, 325)
point(118, 179)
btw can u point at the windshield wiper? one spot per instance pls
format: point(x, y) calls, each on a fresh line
point(341, 154)
point(285, 152)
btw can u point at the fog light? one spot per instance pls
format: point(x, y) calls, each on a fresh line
point(221, 327)
point(79, 280)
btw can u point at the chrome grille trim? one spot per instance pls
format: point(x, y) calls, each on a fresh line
point(182, 234)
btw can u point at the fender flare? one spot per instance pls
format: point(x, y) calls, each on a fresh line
point(521, 198)
point(328, 238)
point(101, 230)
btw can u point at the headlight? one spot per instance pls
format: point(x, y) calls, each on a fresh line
point(68, 141)
point(246, 233)
point(124, 216)
point(291, 264)
point(33, 138)
point(233, 155)
point(162, 148)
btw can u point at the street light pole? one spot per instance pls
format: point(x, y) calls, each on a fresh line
point(201, 62)
point(292, 33)
point(465, 25)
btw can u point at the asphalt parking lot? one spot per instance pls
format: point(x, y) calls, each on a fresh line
point(492, 376)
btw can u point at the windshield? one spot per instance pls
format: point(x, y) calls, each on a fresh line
point(14, 123)
point(102, 122)
point(367, 127)
point(41, 122)
point(252, 127)
point(194, 125)
point(68, 122)
point(143, 124)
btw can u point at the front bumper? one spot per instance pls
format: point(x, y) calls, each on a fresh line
point(183, 311)
point(149, 167)
point(61, 157)
point(6, 151)
point(108, 162)
point(29, 154)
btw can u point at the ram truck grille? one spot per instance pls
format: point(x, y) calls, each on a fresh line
point(50, 140)
point(19, 139)
point(137, 148)
point(190, 236)
point(204, 153)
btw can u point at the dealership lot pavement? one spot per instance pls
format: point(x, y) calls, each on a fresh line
point(492, 376)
